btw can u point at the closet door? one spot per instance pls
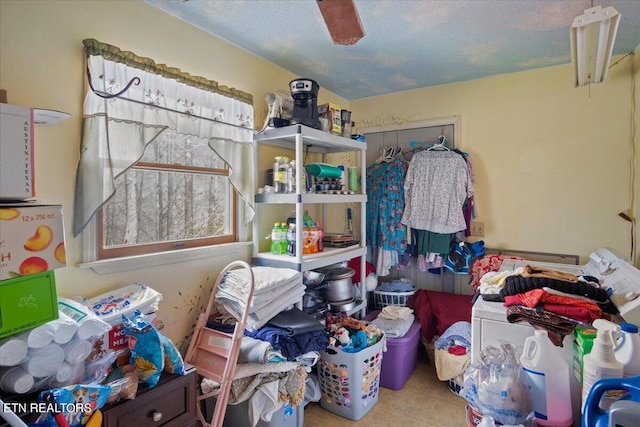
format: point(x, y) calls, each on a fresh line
point(405, 137)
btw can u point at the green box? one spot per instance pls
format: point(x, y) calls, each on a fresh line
point(582, 345)
point(26, 302)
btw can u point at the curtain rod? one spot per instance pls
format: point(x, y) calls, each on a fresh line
point(136, 81)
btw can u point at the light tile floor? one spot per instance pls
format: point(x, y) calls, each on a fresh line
point(423, 401)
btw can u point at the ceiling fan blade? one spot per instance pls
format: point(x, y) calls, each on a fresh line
point(342, 20)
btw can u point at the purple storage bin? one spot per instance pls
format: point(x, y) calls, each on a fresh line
point(401, 357)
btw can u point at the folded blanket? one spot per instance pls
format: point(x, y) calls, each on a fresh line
point(269, 284)
point(258, 317)
point(265, 279)
point(394, 328)
point(556, 326)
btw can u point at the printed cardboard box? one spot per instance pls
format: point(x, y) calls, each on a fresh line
point(17, 180)
point(31, 239)
point(332, 113)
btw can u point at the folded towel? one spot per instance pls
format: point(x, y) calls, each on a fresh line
point(395, 312)
point(265, 279)
point(394, 328)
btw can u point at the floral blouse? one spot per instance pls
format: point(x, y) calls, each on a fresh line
point(385, 205)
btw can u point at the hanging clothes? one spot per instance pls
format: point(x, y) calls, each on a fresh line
point(437, 185)
point(385, 206)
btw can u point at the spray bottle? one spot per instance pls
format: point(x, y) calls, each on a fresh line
point(601, 362)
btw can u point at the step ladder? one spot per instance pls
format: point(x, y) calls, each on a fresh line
point(214, 354)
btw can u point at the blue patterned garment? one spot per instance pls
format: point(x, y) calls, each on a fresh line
point(385, 205)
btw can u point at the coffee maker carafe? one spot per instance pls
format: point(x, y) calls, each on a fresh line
point(305, 107)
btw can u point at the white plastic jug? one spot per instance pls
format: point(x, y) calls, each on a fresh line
point(627, 349)
point(547, 375)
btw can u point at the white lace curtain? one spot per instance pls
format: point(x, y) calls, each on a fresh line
point(117, 129)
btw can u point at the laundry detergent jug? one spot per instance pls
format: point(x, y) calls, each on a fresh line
point(615, 416)
point(547, 375)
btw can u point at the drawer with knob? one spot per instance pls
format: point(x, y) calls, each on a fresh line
point(171, 403)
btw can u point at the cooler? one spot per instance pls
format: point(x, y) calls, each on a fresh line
point(401, 357)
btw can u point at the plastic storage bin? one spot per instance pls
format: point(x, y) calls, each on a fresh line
point(287, 416)
point(349, 382)
point(401, 357)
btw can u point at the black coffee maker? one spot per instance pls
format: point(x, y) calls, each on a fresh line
point(305, 106)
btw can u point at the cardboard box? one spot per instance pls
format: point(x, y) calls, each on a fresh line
point(26, 302)
point(582, 345)
point(17, 178)
point(31, 239)
point(331, 112)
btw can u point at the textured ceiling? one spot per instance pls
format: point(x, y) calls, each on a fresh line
point(408, 44)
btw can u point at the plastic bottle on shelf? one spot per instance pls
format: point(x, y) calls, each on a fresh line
point(291, 239)
point(284, 241)
point(307, 221)
point(291, 177)
point(320, 238)
point(313, 238)
point(343, 178)
point(601, 362)
point(547, 374)
point(275, 239)
point(280, 174)
point(291, 219)
point(627, 350)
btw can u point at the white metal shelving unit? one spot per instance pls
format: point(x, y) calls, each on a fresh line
point(301, 139)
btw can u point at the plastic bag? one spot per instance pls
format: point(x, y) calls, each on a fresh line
point(147, 352)
point(495, 386)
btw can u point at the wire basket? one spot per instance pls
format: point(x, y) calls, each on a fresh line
point(383, 299)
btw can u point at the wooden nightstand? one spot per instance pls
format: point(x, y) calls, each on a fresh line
point(171, 403)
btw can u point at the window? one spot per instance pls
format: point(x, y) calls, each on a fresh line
point(163, 163)
point(176, 196)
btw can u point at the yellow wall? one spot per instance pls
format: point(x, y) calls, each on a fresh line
point(41, 65)
point(552, 162)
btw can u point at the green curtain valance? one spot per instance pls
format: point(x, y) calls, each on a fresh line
point(115, 54)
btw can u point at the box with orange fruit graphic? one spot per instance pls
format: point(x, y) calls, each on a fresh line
point(31, 239)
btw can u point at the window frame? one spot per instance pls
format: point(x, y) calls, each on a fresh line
point(170, 245)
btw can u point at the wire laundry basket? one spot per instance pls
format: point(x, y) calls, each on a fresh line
point(382, 299)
